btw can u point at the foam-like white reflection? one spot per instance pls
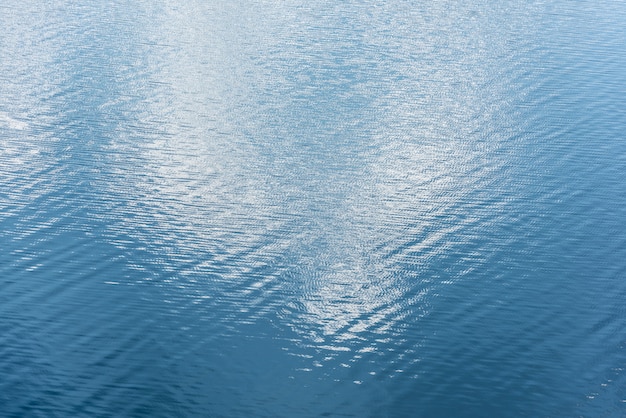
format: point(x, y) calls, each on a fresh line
point(417, 150)
point(199, 199)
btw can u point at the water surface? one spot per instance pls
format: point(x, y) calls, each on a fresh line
point(303, 209)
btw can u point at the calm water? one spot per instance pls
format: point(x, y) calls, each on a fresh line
point(313, 208)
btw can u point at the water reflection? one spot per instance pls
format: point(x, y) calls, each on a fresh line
point(225, 193)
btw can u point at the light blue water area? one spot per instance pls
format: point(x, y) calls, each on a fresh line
point(313, 208)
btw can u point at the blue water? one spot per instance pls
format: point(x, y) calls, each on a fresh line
point(313, 208)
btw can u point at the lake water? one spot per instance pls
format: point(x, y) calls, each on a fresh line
point(313, 208)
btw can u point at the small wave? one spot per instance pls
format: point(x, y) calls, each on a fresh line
point(9, 122)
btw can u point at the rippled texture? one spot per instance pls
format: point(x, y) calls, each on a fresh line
point(313, 208)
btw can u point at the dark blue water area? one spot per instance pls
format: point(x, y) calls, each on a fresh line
point(309, 209)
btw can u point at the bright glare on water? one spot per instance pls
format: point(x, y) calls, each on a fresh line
point(313, 208)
